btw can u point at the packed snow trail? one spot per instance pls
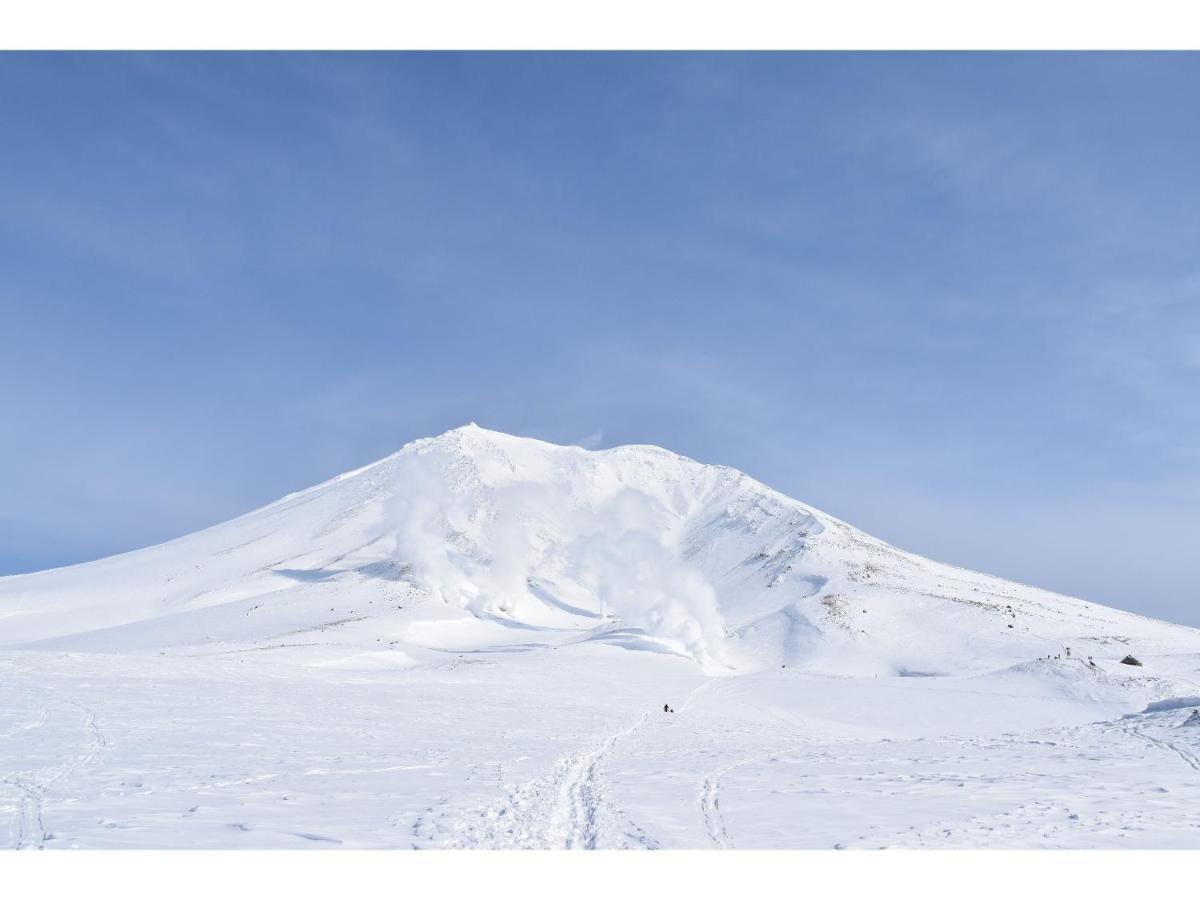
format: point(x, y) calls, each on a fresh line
point(567, 809)
point(710, 811)
point(579, 813)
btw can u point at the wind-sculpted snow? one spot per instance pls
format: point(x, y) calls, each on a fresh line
point(471, 643)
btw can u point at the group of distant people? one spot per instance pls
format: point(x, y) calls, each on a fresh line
point(1066, 654)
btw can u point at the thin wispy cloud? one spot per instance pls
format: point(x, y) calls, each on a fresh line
point(907, 288)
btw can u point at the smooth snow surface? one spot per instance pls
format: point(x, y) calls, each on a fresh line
point(470, 643)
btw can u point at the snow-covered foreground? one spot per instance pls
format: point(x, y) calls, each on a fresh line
point(470, 644)
point(571, 749)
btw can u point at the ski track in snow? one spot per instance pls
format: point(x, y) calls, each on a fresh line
point(582, 795)
point(1138, 730)
point(710, 800)
point(27, 827)
point(710, 811)
point(566, 809)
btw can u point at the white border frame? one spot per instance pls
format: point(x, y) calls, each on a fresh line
point(594, 25)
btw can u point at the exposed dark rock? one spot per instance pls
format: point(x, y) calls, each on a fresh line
point(1131, 661)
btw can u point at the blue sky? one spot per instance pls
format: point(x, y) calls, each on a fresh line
point(951, 298)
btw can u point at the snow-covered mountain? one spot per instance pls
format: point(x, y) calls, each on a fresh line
point(477, 539)
point(488, 641)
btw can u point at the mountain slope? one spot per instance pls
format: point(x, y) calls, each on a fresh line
point(477, 540)
point(474, 643)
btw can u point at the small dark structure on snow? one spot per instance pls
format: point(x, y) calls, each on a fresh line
point(1131, 661)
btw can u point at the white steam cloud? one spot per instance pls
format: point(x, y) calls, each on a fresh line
point(614, 551)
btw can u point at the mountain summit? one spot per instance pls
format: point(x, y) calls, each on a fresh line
point(481, 541)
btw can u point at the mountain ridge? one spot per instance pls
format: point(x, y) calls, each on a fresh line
point(475, 540)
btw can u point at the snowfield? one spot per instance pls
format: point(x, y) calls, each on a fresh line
point(470, 643)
